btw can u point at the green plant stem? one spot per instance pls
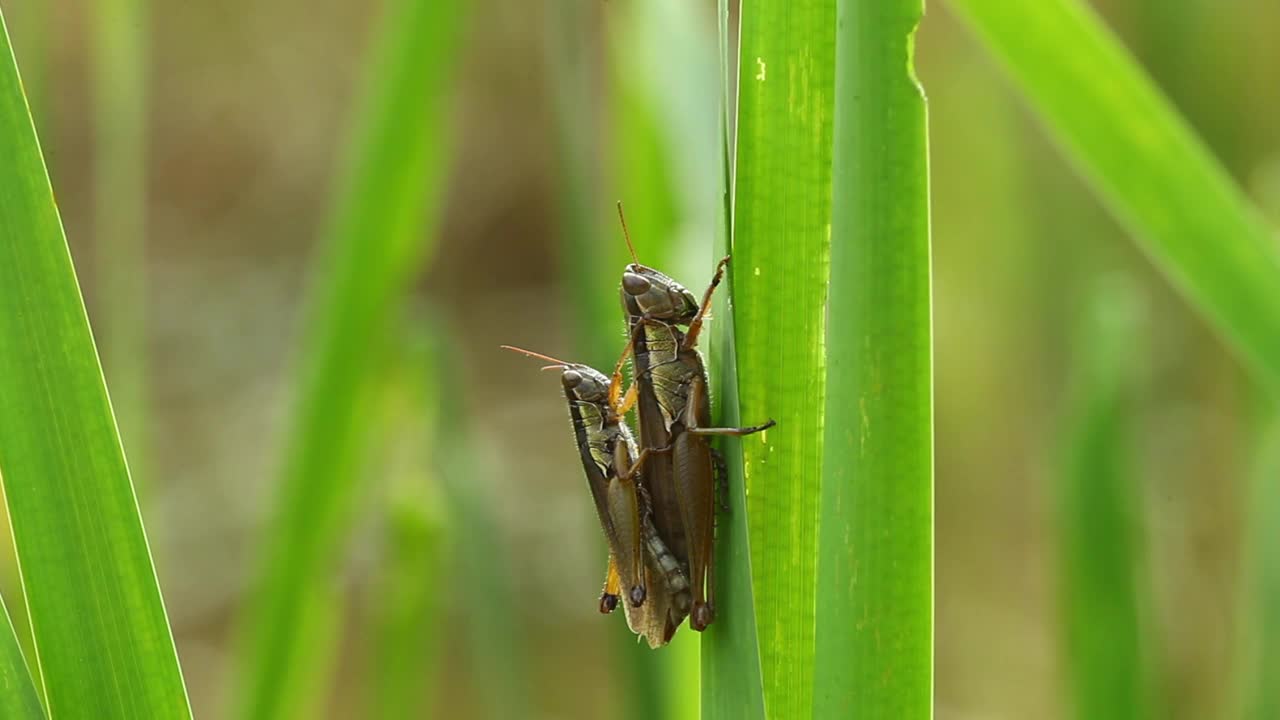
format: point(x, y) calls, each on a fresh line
point(874, 655)
point(103, 643)
point(1146, 165)
point(383, 227)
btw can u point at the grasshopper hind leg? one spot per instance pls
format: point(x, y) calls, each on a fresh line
point(612, 587)
point(722, 479)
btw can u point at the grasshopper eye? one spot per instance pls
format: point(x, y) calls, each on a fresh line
point(634, 284)
point(571, 378)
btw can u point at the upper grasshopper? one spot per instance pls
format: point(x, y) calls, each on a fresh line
point(675, 412)
point(638, 556)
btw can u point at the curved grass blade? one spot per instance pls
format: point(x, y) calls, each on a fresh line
point(19, 698)
point(1099, 518)
point(874, 627)
point(103, 644)
point(732, 688)
point(382, 228)
point(1146, 165)
point(781, 238)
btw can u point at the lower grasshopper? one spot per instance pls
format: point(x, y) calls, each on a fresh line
point(674, 409)
point(638, 556)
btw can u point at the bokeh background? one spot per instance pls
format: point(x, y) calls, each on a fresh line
point(559, 107)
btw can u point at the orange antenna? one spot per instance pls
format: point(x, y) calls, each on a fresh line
point(626, 235)
point(540, 356)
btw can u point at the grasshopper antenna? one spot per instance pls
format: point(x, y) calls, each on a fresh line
point(626, 235)
point(529, 353)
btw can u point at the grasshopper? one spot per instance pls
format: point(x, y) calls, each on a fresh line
point(638, 556)
point(674, 410)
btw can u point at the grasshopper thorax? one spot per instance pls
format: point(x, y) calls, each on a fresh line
point(658, 296)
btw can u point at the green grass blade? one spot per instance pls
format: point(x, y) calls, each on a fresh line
point(1146, 164)
point(732, 681)
point(1260, 628)
point(1101, 529)
point(781, 238)
point(732, 687)
point(103, 643)
point(874, 654)
point(386, 211)
point(19, 698)
point(119, 215)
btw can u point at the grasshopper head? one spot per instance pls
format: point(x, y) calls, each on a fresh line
point(580, 382)
point(658, 296)
point(585, 384)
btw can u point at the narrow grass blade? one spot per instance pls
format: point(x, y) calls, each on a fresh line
point(874, 655)
point(19, 698)
point(408, 610)
point(1260, 622)
point(732, 687)
point(405, 599)
point(119, 214)
point(380, 232)
point(781, 238)
point(1100, 525)
point(103, 644)
point(1146, 165)
point(732, 680)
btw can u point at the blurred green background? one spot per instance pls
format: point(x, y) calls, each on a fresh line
point(558, 108)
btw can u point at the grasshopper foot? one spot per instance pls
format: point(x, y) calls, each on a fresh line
point(702, 616)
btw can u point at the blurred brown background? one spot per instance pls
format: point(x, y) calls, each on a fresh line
point(247, 107)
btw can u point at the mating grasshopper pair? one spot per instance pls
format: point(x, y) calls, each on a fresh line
point(656, 504)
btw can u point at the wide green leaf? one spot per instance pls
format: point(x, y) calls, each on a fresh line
point(103, 644)
point(381, 229)
point(1146, 164)
point(874, 653)
point(781, 238)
